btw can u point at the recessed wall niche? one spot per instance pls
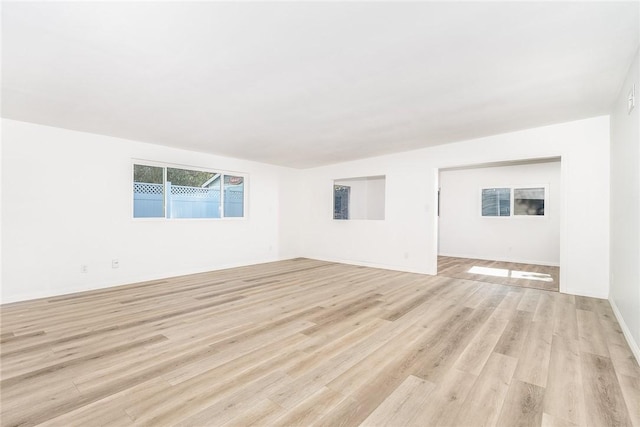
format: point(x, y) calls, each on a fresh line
point(359, 198)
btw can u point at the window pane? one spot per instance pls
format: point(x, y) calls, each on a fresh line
point(148, 192)
point(193, 194)
point(496, 201)
point(341, 201)
point(169, 192)
point(233, 196)
point(528, 201)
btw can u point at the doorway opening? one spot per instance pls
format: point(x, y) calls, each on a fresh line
point(500, 223)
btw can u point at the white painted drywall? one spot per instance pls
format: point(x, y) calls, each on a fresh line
point(1, 235)
point(625, 210)
point(464, 232)
point(407, 238)
point(375, 197)
point(66, 201)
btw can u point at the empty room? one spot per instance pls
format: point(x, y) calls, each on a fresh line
point(320, 214)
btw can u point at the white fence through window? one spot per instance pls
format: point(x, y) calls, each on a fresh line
point(185, 202)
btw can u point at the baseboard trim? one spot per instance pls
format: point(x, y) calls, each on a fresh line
point(582, 293)
point(372, 265)
point(515, 260)
point(625, 330)
point(133, 279)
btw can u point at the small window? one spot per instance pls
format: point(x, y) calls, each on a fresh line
point(496, 201)
point(528, 201)
point(170, 192)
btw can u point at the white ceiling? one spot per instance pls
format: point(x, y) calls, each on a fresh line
point(306, 84)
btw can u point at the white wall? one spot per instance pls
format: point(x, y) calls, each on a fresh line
point(407, 238)
point(66, 201)
point(1, 198)
point(289, 212)
point(375, 197)
point(625, 210)
point(464, 232)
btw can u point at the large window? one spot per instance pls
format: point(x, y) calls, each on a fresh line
point(514, 201)
point(176, 192)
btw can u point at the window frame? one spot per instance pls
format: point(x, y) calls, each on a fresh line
point(512, 189)
point(165, 165)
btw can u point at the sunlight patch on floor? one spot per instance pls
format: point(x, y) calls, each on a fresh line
point(488, 271)
point(514, 274)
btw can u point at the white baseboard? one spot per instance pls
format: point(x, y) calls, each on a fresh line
point(582, 293)
point(133, 279)
point(503, 259)
point(625, 330)
point(372, 265)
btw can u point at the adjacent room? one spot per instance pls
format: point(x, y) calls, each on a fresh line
point(320, 213)
point(500, 223)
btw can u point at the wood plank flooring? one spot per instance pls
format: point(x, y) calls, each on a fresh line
point(311, 343)
point(501, 273)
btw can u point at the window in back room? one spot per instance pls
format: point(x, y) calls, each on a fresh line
point(496, 201)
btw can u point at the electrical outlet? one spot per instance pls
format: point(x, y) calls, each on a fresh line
point(84, 268)
point(115, 263)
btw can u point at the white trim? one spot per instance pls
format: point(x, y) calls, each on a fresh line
point(159, 163)
point(633, 345)
point(132, 281)
point(372, 265)
point(580, 292)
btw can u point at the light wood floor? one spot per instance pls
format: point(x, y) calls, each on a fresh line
point(501, 273)
point(305, 342)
